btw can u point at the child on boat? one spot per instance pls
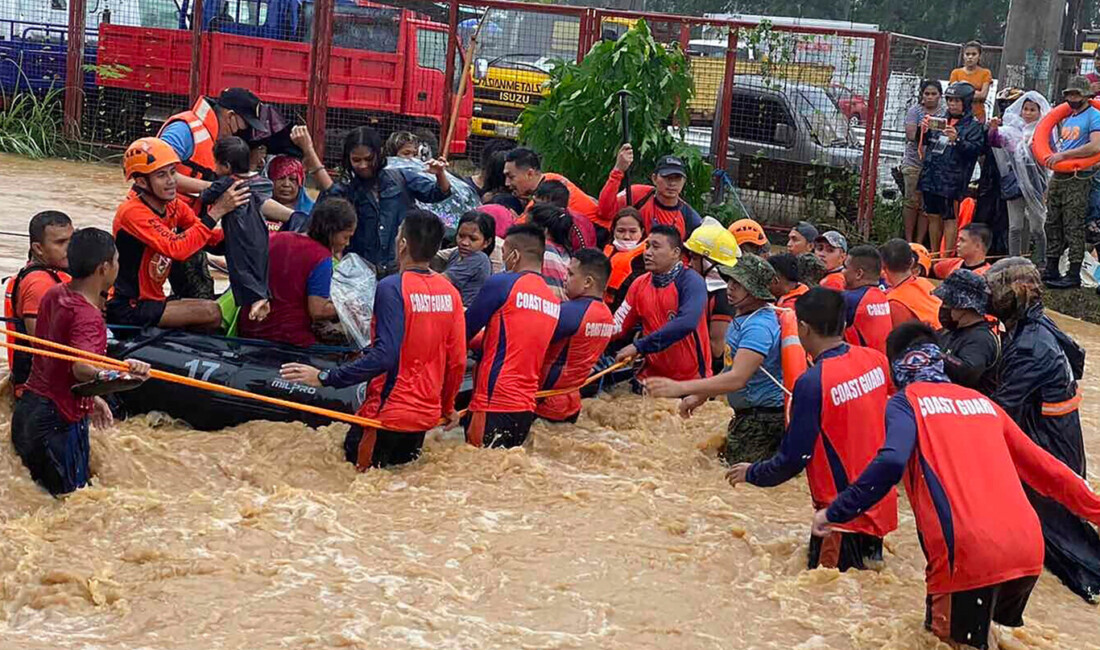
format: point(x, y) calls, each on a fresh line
point(246, 234)
point(50, 423)
point(468, 266)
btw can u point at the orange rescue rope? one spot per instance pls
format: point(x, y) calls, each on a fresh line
point(76, 355)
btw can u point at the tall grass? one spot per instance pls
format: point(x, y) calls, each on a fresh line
point(30, 125)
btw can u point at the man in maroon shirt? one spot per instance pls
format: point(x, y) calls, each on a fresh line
point(50, 423)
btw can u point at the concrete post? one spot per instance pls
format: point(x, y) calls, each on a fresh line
point(1032, 39)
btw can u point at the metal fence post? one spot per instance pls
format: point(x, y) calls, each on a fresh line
point(320, 56)
point(195, 78)
point(449, 72)
point(722, 141)
point(74, 69)
point(868, 186)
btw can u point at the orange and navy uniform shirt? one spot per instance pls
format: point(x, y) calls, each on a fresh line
point(834, 280)
point(675, 338)
point(963, 460)
point(682, 216)
point(791, 297)
point(868, 318)
point(418, 355)
point(149, 242)
point(519, 313)
point(944, 268)
point(836, 428)
point(584, 329)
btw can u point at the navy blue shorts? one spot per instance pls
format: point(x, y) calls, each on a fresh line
point(53, 449)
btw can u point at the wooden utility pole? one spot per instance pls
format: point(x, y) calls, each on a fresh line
point(1033, 35)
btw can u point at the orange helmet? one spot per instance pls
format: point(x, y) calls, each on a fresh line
point(747, 231)
point(924, 259)
point(146, 156)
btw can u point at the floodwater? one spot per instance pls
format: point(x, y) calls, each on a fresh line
point(616, 532)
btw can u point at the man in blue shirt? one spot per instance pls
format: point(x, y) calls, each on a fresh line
point(1068, 198)
point(753, 374)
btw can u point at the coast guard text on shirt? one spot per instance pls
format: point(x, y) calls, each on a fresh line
point(431, 302)
point(944, 406)
point(535, 303)
point(858, 387)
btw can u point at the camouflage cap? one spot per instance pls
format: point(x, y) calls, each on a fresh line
point(810, 269)
point(753, 273)
point(964, 289)
point(1077, 84)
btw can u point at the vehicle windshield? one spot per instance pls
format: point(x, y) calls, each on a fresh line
point(528, 37)
point(826, 122)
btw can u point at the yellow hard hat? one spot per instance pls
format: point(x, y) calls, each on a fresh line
point(714, 242)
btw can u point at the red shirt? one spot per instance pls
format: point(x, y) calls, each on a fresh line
point(681, 216)
point(675, 338)
point(418, 355)
point(66, 317)
point(584, 329)
point(963, 482)
point(519, 314)
point(293, 257)
point(868, 315)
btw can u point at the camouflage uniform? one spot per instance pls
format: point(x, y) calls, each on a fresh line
point(753, 437)
point(753, 434)
point(1067, 205)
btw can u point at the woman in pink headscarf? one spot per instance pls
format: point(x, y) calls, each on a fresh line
point(289, 175)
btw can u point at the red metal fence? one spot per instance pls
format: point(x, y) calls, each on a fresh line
point(792, 114)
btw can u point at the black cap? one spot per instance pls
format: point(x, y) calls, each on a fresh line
point(670, 166)
point(244, 103)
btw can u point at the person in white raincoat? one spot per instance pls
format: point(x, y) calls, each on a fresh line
point(1010, 137)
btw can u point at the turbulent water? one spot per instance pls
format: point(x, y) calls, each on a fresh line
point(616, 532)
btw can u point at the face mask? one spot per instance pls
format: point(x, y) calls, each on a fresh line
point(946, 320)
point(624, 246)
point(1077, 105)
point(512, 260)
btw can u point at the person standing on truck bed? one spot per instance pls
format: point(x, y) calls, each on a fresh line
point(660, 203)
point(382, 196)
point(523, 174)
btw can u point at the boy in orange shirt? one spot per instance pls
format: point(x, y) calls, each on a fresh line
point(974, 74)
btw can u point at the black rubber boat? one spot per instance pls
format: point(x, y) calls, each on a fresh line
point(245, 364)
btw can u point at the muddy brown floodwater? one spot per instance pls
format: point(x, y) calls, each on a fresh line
point(616, 532)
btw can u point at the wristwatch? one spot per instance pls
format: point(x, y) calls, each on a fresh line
point(322, 377)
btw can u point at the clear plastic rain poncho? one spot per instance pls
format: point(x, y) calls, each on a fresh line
point(1014, 155)
point(463, 198)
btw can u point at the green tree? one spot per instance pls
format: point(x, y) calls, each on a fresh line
point(577, 129)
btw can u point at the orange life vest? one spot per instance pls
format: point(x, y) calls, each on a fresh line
point(944, 268)
point(620, 268)
point(203, 121)
point(916, 294)
point(792, 355)
point(791, 297)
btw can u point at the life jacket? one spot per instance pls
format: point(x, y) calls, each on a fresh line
point(203, 121)
point(946, 267)
point(788, 300)
point(792, 355)
point(620, 268)
point(872, 323)
point(834, 280)
point(20, 362)
point(916, 294)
